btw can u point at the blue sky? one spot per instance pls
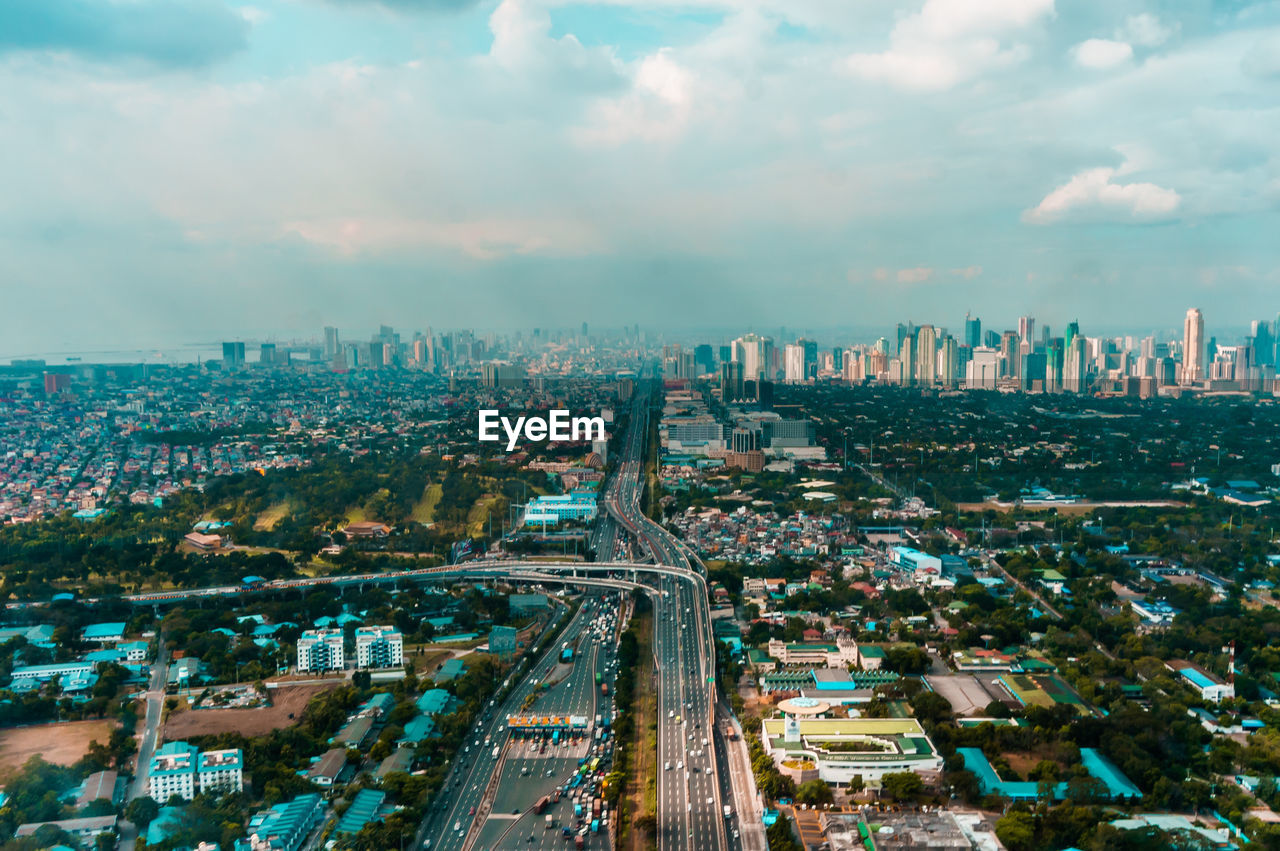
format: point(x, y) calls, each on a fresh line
point(192, 169)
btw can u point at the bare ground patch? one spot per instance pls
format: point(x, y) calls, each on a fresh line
point(286, 708)
point(63, 743)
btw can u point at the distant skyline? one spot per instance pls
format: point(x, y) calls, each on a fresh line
point(266, 168)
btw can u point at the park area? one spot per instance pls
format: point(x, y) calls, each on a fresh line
point(62, 743)
point(286, 707)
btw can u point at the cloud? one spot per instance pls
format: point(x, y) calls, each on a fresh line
point(918, 275)
point(1101, 53)
point(1094, 190)
point(1145, 30)
point(1262, 61)
point(968, 272)
point(656, 109)
point(950, 41)
point(174, 33)
point(486, 239)
point(411, 5)
point(522, 45)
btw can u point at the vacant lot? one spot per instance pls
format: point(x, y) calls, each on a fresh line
point(965, 693)
point(286, 708)
point(59, 743)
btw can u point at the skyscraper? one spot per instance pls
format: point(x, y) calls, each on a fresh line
point(1026, 329)
point(233, 354)
point(1193, 347)
point(926, 371)
point(793, 355)
point(331, 345)
point(972, 331)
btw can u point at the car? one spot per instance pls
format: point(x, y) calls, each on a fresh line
point(473, 811)
point(515, 811)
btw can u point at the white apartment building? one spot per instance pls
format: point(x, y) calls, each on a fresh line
point(320, 650)
point(379, 647)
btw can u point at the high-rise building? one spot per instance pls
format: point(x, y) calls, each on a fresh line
point(906, 355)
point(233, 354)
point(983, 370)
point(1026, 329)
point(731, 381)
point(926, 359)
point(320, 650)
point(810, 360)
point(972, 331)
point(794, 366)
point(331, 344)
point(267, 354)
point(1194, 349)
point(1074, 370)
point(948, 360)
point(379, 647)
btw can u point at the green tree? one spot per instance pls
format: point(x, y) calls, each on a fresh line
point(815, 793)
point(1017, 830)
point(902, 785)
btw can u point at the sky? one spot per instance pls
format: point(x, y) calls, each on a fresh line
point(177, 170)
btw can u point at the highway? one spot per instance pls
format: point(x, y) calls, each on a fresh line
point(474, 812)
point(689, 799)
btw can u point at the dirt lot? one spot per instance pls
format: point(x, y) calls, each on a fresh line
point(286, 701)
point(59, 743)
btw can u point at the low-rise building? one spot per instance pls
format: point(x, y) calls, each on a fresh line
point(285, 826)
point(842, 653)
point(1211, 687)
point(836, 750)
point(83, 829)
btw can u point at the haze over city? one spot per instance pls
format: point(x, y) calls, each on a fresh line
point(264, 168)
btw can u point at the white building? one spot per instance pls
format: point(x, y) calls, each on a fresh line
point(320, 650)
point(379, 647)
point(181, 769)
point(221, 771)
point(1210, 687)
point(173, 772)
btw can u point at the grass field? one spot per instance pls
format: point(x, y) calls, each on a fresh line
point(478, 516)
point(425, 510)
point(62, 743)
point(267, 520)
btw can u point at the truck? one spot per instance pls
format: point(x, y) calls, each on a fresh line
point(728, 811)
point(595, 808)
point(551, 822)
point(578, 841)
point(555, 737)
point(541, 807)
point(496, 750)
point(595, 825)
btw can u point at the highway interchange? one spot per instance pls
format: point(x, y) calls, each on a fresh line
point(691, 801)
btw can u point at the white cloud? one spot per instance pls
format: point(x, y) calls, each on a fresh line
point(968, 272)
point(917, 275)
point(522, 44)
point(655, 110)
point(950, 41)
point(1145, 30)
point(1101, 53)
point(1094, 190)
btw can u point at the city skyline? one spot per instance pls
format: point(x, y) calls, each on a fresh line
point(275, 165)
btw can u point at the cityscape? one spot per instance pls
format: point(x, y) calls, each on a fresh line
point(639, 425)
